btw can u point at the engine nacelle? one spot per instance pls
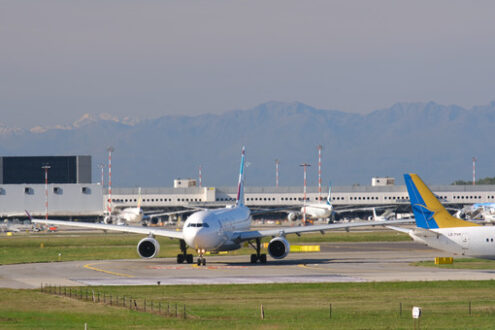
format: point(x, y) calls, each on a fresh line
point(148, 248)
point(292, 216)
point(278, 248)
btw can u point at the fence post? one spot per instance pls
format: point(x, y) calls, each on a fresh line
point(469, 307)
point(159, 307)
point(400, 309)
point(262, 310)
point(184, 313)
point(144, 303)
point(330, 311)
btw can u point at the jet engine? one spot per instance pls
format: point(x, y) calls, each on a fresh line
point(278, 248)
point(292, 216)
point(148, 248)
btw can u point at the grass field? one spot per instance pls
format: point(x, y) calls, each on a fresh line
point(23, 248)
point(445, 305)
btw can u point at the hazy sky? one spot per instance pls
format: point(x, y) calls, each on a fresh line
point(61, 59)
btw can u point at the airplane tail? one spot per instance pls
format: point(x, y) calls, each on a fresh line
point(429, 213)
point(240, 186)
point(329, 197)
point(140, 199)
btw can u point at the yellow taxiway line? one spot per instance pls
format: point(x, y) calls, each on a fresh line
point(90, 266)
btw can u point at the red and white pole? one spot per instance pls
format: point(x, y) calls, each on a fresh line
point(474, 171)
point(200, 176)
point(319, 171)
point(305, 165)
point(46, 167)
point(109, 204)
point(276, 172)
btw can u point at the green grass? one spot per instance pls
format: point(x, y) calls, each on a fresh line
point(464, 263)
point(287, 306)
point(24, 248)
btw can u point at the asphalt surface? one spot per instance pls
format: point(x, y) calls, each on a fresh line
point(337, 262)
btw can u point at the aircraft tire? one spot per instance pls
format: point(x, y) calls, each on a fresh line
point(189, 258)
point(180, 258)
point(253, 258)
point(263, 258)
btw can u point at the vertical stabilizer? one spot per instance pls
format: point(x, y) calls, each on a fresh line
point(329, 197)
point(429, 213)
point(140, 199)
point(240, 185)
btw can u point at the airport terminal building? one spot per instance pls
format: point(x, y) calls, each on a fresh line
point(70, 193)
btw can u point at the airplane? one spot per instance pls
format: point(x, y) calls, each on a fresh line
point(216, 230)
point(129, 215)
point(315, 210)
point(136, 215)
point(437, 228)
point(481, 211)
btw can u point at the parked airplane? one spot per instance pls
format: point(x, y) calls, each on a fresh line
point(129, 215)
point(437, 228)
point(320, 210)
point(480, 211)
point(216, 230)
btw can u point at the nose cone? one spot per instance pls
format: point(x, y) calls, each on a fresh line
point(199, 234)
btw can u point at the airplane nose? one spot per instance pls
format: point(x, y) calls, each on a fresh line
point(201, 238)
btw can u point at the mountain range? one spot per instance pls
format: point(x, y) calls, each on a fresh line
point(436, 141)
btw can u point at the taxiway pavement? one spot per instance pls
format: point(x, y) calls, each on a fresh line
point(337, 262)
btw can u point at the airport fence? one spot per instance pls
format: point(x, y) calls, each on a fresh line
point(140, 304)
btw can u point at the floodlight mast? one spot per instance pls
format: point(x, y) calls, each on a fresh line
point(109, 204)
point(305, 165)
point(46, 167)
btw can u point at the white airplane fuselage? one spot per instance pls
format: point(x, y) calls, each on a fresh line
point(131, 215)
point(469, 241)
point(212, 230)
point(317, 211)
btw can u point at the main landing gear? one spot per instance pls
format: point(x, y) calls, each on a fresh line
point(184, 256)
point(261, 257)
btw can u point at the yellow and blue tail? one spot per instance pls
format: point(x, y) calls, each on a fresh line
point(429, 213)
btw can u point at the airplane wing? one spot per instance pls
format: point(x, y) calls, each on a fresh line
point(253, 234)
point(126, 229)
point(154, 215)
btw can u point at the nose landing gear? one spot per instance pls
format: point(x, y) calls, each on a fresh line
point(201, 259)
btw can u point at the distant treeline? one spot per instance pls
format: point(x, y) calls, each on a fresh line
point(480, 181)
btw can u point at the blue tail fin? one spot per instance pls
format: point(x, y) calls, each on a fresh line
point(240, 185)
point(429, 213)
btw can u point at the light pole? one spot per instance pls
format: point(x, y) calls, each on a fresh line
point(102, 167)
point(305, 165)
point(320, 147)
point(46, 167)
point(109, 206)
point(277, 162)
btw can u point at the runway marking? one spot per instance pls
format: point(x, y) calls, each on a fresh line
point(308, 267)
point(89, 266)
point(196, 267)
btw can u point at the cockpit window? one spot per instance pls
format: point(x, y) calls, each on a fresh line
point(198, 225)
